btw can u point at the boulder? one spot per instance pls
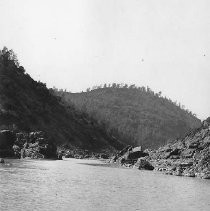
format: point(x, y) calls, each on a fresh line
point(193, 145)
point(134, 155)
point(142, 163)
point(136, 149)
point(113, 159)
point(169, 152)
point(189, 173)
point(166, 155)
point(2, 160)
point(174, 157)
point(178, 172)
point(129, 155)
point(123, 151)
point(68, 155)
point(203, 175)
point(175, 151)
point(186, 164)
point(206, 175)
point(60, 157)
point(206, 123)
point(104, 156)
point(188, 153)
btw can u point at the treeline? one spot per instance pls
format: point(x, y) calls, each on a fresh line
point(95, 119)
point(146, 89)
point(27, 105)
point(135, 115)
point(8, 59)
point(15, 84)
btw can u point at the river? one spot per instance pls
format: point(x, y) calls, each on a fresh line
point(92, 185)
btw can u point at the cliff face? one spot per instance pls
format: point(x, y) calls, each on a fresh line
point(27, 105)
point(135, 115)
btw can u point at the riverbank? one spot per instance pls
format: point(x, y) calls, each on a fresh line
point(37, 145)
point(188, 157)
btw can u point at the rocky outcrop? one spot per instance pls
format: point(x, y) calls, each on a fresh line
point(31, 145)
point(37, 145)
point(189, 156)
point(2, 161)
point(129, 156)
point(82, 154)
point(34, 145)
point(7, 139)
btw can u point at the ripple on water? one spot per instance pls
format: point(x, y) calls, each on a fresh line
point(92, 185)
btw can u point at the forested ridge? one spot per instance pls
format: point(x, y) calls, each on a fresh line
point(102, 117)
point(27, 105)
point(135, 115)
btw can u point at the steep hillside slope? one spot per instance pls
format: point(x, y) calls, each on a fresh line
point(138, 116)
point(27, 105)
point(189, 156)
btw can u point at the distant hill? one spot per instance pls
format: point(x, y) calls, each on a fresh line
point(27, 105)
point(135, 115)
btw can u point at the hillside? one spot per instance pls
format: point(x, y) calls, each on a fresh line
point(27, 105)
point(189, 156)
point(137, 116)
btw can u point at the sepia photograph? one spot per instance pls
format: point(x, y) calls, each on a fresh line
point(104, 105)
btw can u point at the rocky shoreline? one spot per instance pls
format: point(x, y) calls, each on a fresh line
point(189, 156)
point(36, 145)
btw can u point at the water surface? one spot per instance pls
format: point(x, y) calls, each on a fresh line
point(91, 185)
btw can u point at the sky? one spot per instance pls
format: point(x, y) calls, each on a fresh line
point(76, 44)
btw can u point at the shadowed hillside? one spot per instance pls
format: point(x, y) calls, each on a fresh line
point(136, 115)
point(27, 105)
